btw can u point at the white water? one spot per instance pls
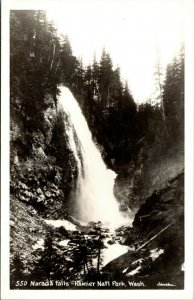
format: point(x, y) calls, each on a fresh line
point(94, 189)
point(58, 223)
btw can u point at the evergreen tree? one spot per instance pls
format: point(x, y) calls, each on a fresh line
point(106, 75)
point(159, 78)
point(68, 62)
point(33, 47)
point(151, 122)
point(95, 78)
point(16, 270)
point(173, 97)
point(51, 265)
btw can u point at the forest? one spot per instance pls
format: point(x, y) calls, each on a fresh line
point(142, 143)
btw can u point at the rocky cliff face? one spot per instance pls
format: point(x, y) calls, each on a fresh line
point(157, 240)
point(39, 185)
point(149, 170)
point(26, 229)
point(38, 177)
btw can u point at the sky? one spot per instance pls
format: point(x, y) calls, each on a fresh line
point(134, 32)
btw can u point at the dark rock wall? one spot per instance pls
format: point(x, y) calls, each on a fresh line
point(158, 227)
point(148, 171)
point(38, 177)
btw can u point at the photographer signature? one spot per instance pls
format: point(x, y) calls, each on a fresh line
point(165, 284)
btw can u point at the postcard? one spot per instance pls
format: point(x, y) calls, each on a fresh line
point(97, 149)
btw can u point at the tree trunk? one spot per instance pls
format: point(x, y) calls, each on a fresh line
point(98, 261)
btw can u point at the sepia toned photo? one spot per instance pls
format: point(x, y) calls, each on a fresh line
point(97, 146)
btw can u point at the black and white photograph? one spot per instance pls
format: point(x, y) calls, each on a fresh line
point(96, 139)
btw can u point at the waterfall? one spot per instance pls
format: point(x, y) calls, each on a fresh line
point(93, 195)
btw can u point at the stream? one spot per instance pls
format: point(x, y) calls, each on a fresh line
point(111, 248)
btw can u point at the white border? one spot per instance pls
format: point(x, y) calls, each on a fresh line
point(187, 293)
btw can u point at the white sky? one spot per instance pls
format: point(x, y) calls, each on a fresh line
point(130, 30)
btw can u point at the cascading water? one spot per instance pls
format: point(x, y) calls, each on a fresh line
point(94, 188)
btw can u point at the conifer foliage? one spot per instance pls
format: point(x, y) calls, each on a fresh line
point(40, 60)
